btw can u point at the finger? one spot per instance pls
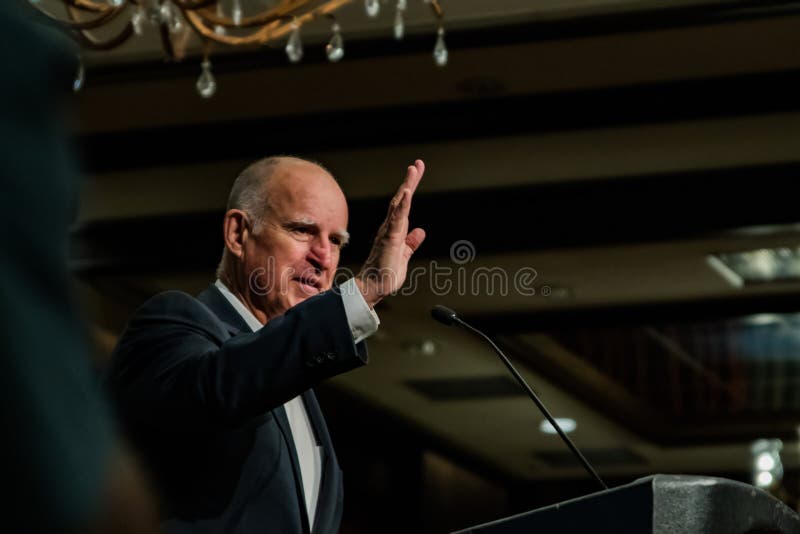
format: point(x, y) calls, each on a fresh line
point(398, 220)
point(413, 240)
point(420, 165)
point(404, 207)
point(394, 207)
point(410, 182)
point(414, 175)
point(400, 205)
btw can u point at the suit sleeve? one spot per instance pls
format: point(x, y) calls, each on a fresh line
point(174, 366)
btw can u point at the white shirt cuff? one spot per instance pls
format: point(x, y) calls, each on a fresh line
point(362, 319)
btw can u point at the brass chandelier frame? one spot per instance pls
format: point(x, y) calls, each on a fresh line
point(202, 16)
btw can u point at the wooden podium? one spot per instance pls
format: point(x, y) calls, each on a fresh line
point(658, 504)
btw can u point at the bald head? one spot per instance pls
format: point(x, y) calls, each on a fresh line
point(255, 188)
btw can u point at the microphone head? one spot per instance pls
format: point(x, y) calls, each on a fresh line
point(444, 315)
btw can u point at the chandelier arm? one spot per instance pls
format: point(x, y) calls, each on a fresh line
point(88, 5)
point(85, 39)
point(437, 9)
point(321, 11)
point(107, 16)
point(166, 41)
point(275, 27)
point(270, 16)
point(262, 36)
point(88, 41)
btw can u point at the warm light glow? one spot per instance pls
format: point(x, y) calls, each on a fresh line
point(566, 424)
point(765, 462)
point(764, 479)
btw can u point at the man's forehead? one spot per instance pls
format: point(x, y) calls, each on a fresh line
point(289, 168)
point(291, 177)
point(300, 183)
point(301, 192)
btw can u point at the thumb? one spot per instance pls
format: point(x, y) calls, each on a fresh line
point(413, 240)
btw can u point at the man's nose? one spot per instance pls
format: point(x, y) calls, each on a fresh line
point(321, 254)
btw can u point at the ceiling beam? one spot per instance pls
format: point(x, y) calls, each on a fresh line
point(652, 103)
point(590, 213)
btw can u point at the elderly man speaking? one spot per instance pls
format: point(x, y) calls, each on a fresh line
point(215, 391)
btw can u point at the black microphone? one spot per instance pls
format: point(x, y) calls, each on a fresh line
point(449, 317)
point(444, 315)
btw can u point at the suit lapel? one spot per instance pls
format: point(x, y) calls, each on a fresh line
point(315, 416)
point(223, 309)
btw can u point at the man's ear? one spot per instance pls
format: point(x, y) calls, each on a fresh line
point(235, 230)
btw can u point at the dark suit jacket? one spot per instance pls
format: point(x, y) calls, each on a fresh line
point(201, 397)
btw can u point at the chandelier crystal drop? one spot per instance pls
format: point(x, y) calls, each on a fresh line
point(399, 25)
point(335, 47)
point(372, 7)
point(206, 83)
point(294, 46)
point(80, 77)
point(440, 50)
point(138, 18)
point(236, 12)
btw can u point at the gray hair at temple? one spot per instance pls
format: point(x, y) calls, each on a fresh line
point(249, 190)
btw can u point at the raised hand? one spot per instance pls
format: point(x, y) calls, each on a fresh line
point(385, 269)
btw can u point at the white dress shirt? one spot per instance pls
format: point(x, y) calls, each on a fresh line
point(363, 323)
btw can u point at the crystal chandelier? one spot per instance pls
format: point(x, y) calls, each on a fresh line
point(213, 23)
